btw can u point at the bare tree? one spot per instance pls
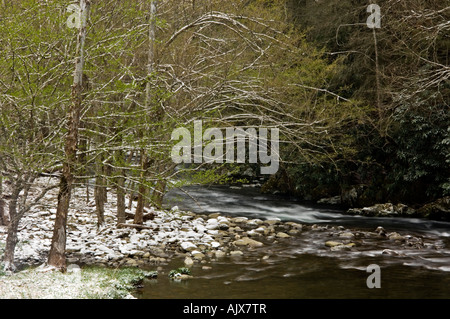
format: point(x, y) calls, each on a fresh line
point(56, 257)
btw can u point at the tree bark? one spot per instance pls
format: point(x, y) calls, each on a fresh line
point(120, 189)
point(100, 191)
point(138, 217)
point(4, 219)
point(11, 239)
point(56, 257)
point(99, 195)
point(139, 214)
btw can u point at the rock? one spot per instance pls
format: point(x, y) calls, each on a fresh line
point(272, 220)
point(212, 224)
point(346, 235)
point(219, 254)
point(254, 222)
point(335, 200)
point(197, 255)
point(146, 255)
point(236, 253)
point(340, 248)
point(188, 261)
point(188, 246)
point(437, 210)
point(215, 244)
point(253, 233)
point(239, 219)
point(294, 225)
point(332, 243)
point(380, 230)
point(246, 241)
point(391, 252)
point(395, 236)
point(206, 267)
point(282, 235)
point(130, 262)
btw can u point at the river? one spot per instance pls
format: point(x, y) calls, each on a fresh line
point(302, 267)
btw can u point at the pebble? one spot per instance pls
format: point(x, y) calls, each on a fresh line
point(282, 235)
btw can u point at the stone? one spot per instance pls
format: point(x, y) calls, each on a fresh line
point(346, 235)
point(396, 236)
point(215, 244)
point(272, 220)
point(235, 253)
point(335, 200)
point(340, 248)
point(282, 235)
point(332, 243)
point(197, 255)
point(219, 253)
point(146, 255)
point(246, 241)
point(188, 246)
point(188, 261)
point(239, 219)
point(437, 210)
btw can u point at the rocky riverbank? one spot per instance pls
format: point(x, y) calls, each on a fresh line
point(171, 233)
point(197, 239)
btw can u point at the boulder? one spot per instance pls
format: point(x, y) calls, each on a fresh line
point(437, 210)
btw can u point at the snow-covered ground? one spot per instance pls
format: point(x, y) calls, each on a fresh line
point(172, 232)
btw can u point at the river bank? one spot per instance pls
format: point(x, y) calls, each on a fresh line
point(194, 240)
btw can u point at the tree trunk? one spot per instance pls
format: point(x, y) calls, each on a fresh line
point(11, 239)
point(158, 193)
point(120, 199)
point(100, 191)
point(99, 195)
point(139, 215)
point(120, 188)
point(56, 257)
point(4, 220)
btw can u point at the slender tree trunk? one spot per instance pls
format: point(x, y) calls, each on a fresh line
point(377, 78)
point(120, 189)
point(99, 195)
point(139, 214)
point(138, 217)
point(158, 193)
point(56, 257)
point(121, 218)
point(11, 239)
point(4, 220)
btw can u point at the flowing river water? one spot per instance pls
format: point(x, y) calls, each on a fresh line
point(302, 267)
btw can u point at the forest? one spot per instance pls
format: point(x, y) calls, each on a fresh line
point(91, 93)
